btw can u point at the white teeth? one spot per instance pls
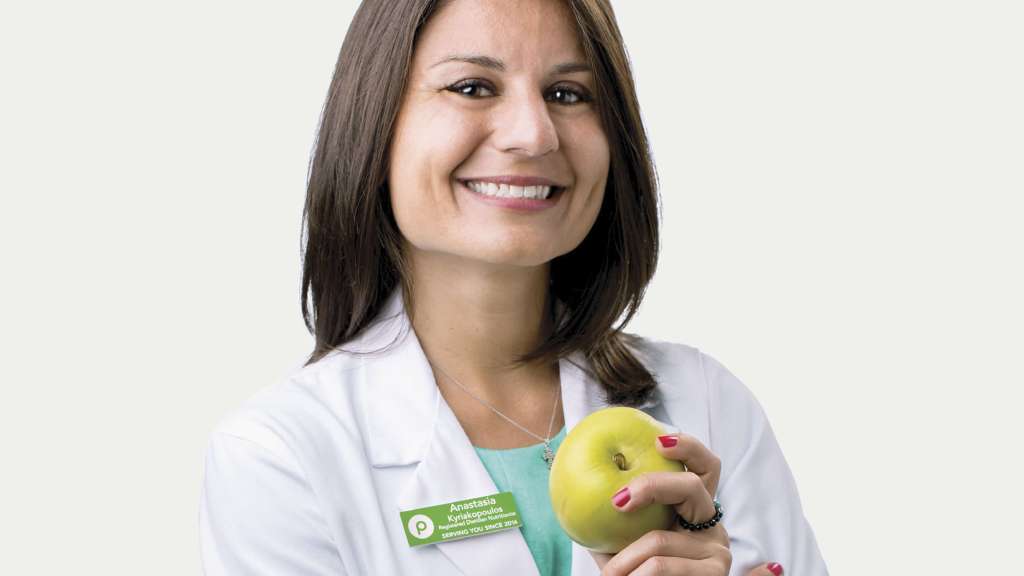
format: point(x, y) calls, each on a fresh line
point(506, 191)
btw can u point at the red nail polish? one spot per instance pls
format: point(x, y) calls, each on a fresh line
point(621, 497)
point(668, 441)
point(775, 568)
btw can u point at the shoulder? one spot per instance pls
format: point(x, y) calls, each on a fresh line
point(291, 418)
point(699, 388)
point(683, 368)
point(266, 491)
point(665, 358)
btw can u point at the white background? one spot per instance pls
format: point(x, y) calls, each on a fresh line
point(842, 229)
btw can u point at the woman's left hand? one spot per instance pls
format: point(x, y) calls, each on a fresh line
point(675, 551)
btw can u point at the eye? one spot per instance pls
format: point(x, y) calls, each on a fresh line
point(563, 94)
point(469, 88)
point(568, 95)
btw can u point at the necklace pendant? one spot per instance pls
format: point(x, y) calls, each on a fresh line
point(548, 456)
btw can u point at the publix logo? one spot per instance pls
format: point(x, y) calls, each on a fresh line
point(420, 526)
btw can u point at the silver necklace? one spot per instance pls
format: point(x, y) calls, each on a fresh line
point(548, 455)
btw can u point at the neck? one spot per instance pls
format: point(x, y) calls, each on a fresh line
point(476, 320)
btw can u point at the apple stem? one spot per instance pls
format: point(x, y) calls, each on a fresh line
point(620, 461)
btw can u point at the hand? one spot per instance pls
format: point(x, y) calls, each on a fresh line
point(767, 569)
point(677, 550)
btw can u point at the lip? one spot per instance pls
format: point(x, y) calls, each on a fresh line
point(514, 204)
point(513, 180)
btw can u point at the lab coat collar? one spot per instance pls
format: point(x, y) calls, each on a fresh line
point(410, 423)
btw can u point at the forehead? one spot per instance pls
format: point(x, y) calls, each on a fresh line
point(518, 32)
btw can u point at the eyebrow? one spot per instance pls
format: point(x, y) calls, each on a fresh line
point(495, 64)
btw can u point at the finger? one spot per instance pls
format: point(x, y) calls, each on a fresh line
point(663, 565)
point(683, 490)
point(658, 543)
point(600, 558)
point(767, 569)
point(694, 455)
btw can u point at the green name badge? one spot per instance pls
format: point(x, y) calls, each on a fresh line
point(463, 519)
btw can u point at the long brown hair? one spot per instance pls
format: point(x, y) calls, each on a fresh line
point(352, 246)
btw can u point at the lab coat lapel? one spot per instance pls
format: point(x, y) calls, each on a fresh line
point(582, 395)
point(411, 423)
point(452, 471)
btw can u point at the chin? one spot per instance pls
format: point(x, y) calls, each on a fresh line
point(494, 250)
point(518, 259)
point(525, 255)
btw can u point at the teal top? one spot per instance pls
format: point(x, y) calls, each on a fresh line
point(523, 472)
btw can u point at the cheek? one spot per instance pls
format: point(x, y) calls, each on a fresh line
point(428, 147)
point(592, 159)
point(409, 172)
point(433, 146)
point(597, 150)
point(586, 146)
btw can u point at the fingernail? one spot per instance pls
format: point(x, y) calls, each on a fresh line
point(775, 568)
point(668, 441)
point(621, 497)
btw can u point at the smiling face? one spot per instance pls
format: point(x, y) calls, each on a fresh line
point(498, 90)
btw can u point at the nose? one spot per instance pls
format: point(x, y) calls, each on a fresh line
point(525, 127)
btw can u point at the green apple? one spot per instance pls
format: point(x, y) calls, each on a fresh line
point(599, 456)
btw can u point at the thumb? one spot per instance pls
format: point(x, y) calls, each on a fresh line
point(767, 569)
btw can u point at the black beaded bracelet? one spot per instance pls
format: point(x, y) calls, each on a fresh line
point(703, 525)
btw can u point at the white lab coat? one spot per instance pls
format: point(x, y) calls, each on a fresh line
point(309, 475)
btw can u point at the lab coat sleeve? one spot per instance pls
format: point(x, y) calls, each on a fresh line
point(258, 514)
point(762, 510)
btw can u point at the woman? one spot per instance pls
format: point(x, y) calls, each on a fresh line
point(481, 211)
